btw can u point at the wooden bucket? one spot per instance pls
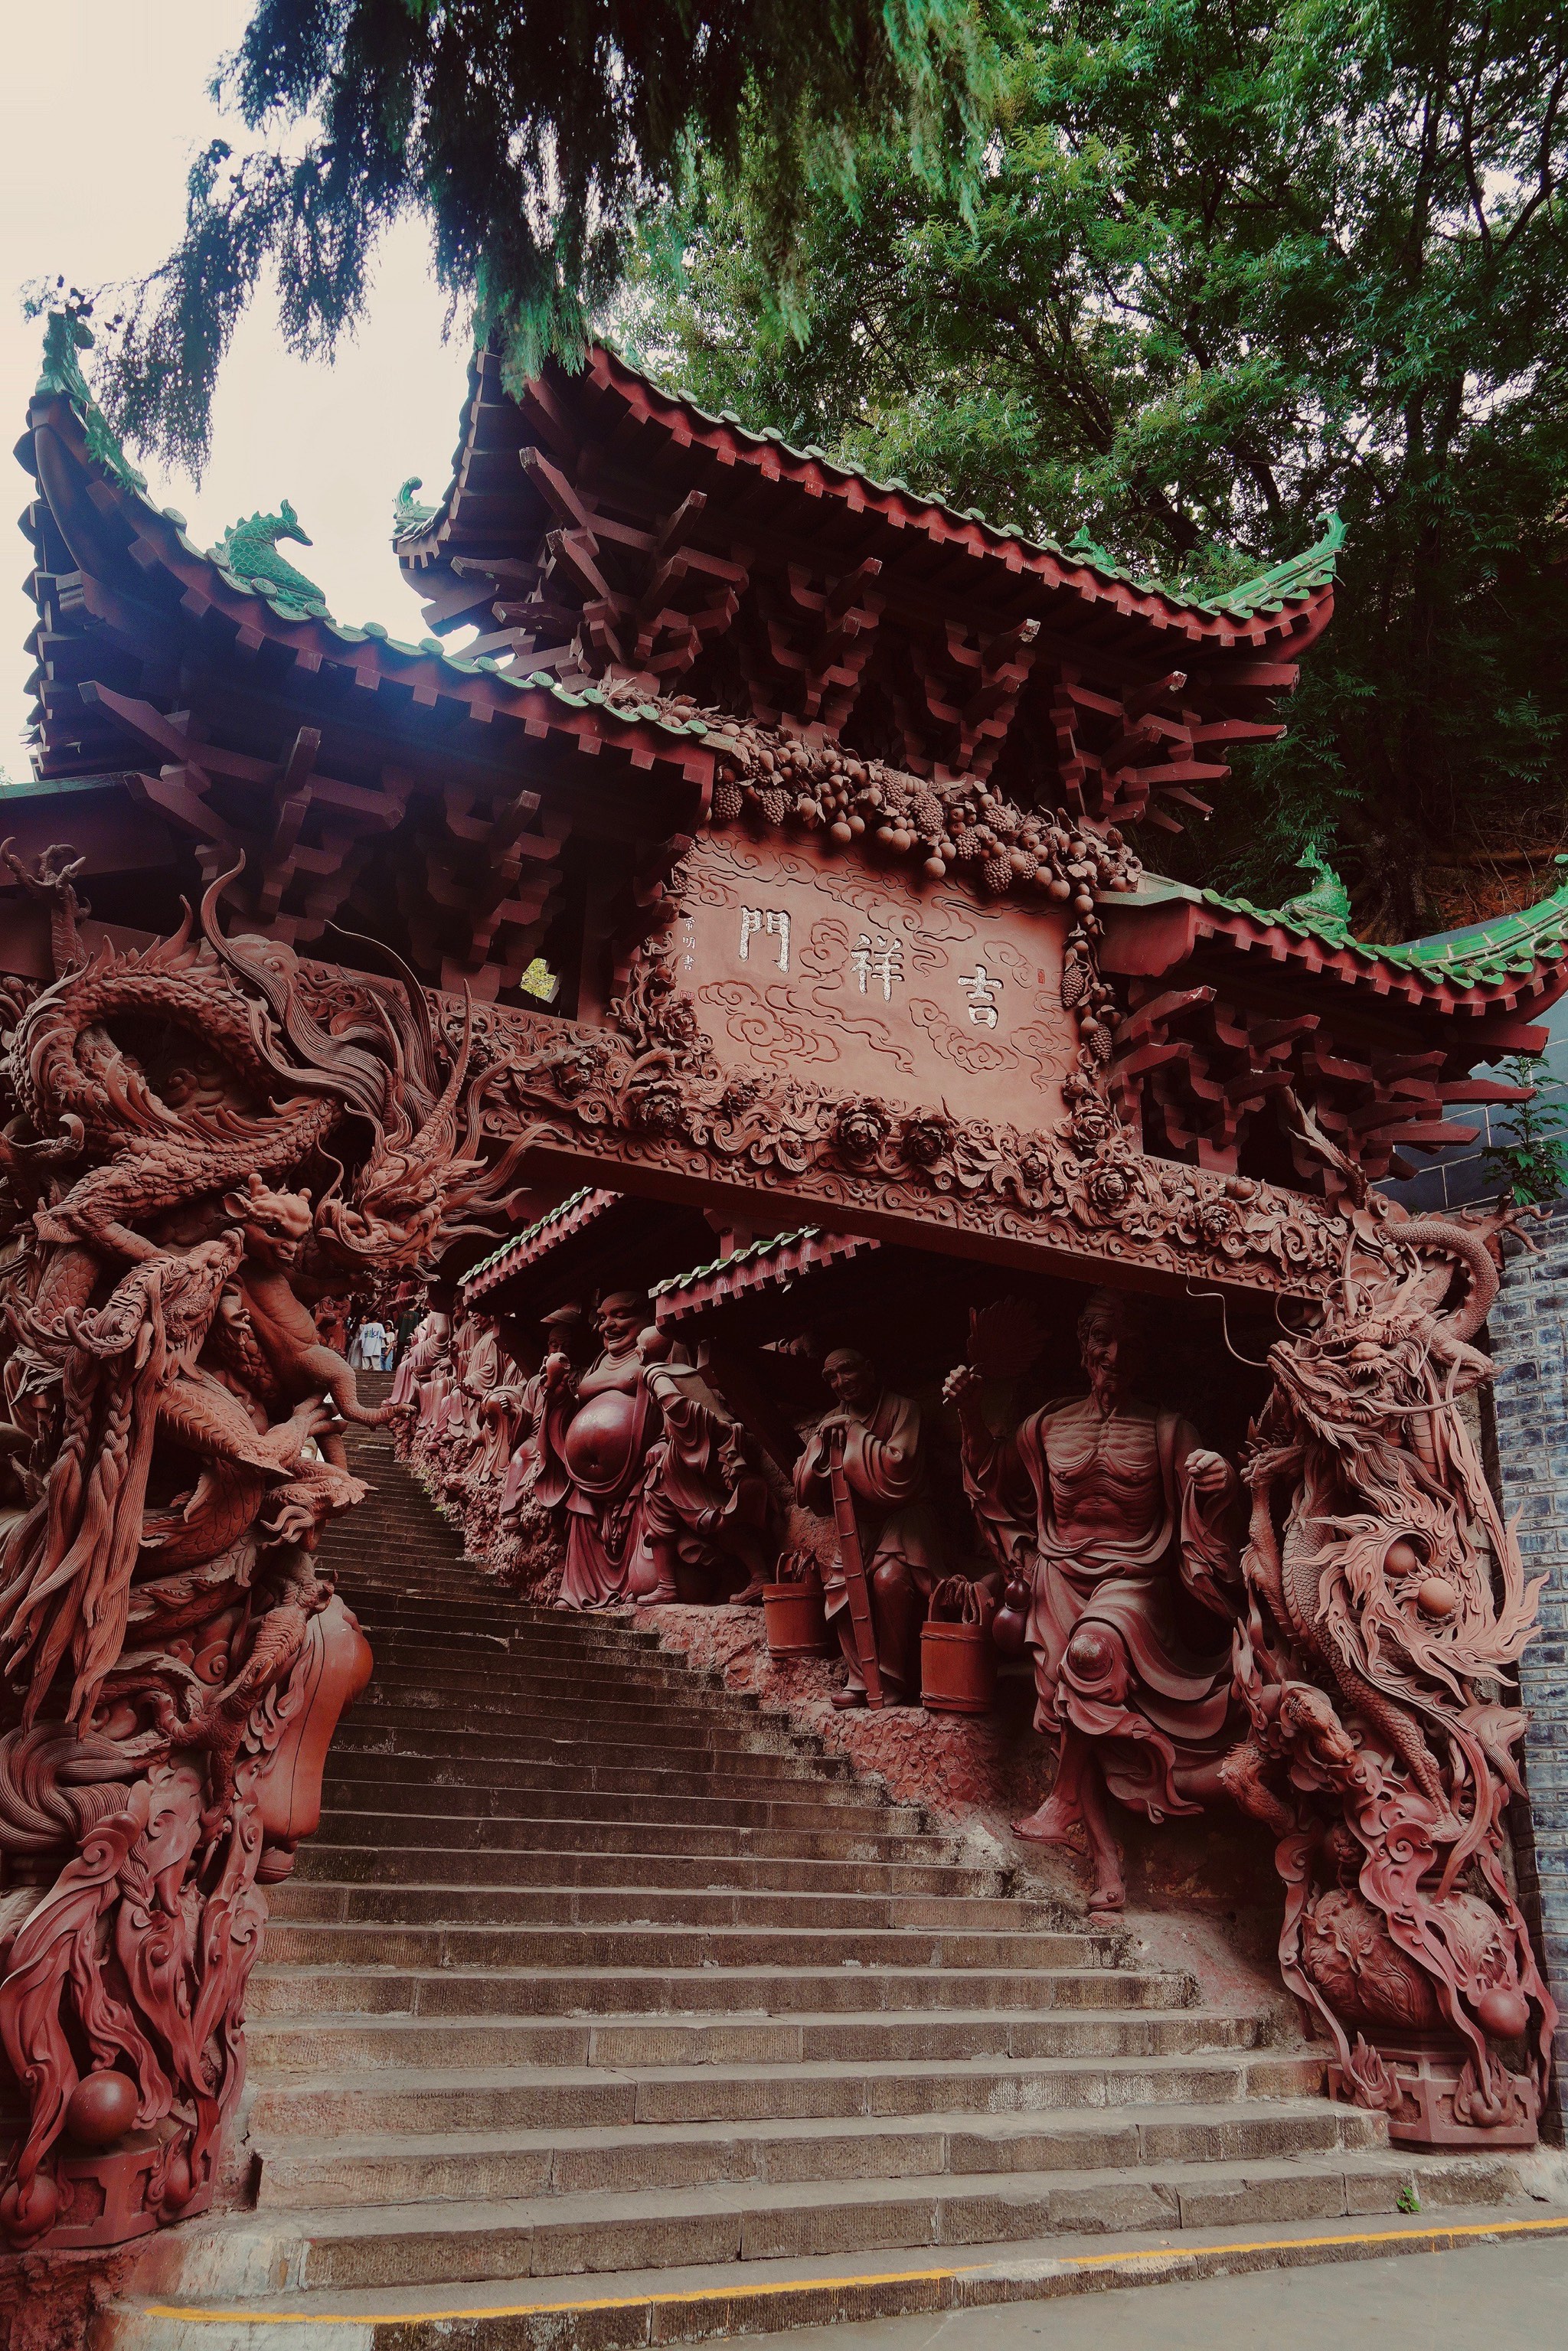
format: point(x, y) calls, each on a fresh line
point(797, 1624)
point(957, 1661)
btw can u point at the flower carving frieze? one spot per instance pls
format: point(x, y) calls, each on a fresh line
point(651, 1093)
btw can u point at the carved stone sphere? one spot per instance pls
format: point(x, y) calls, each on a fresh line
point(1503, 2014)
point(102, 2108)
point(1437, 1597)
point(26, 2213)
point(599, 1442)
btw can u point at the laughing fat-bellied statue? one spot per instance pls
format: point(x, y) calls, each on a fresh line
point(595, 1432)
point(1108, 1508)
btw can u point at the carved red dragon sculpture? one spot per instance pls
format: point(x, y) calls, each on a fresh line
point(1386, 1606)
point(199, 1141)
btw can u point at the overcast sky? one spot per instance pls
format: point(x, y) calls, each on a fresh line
point(102, 105)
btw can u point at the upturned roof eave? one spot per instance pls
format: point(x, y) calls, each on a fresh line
point(1522, 959)
point(1221, 624)
point(371, 649)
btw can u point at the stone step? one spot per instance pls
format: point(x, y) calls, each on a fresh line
point(687, 1732)
point(493, 1676)
point(324, 1859)
point(294, 1982)
point(451, 1940)
point(604, 1653)
point(451, 1743)
point(356, 1815)
point(425, 2101)
point(353, 2170)
point(451, 1649)
point(474, 1607)
point(490, 1669)
point(432, 1618)
point(702, 1714)
point(440, 1900)
point(486, 1611)
point(981, 2040)
point(600, 1968)
point(537, 1799)
point(463, 2243)
point(230, 2261)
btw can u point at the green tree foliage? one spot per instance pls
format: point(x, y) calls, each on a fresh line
point(535, 135)
point(1233, 262)
point(1533, 1164)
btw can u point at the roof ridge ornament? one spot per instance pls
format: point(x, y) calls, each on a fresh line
point(248, 551)
point(66, 336)
point(1296, 576)
point(407, 513)
point(1325, 907)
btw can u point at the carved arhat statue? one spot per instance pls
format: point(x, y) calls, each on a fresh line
point(1109, 1506)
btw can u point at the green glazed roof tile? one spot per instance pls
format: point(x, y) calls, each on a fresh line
point(1509, 948)
point(530, 1232)
point(738, 1257)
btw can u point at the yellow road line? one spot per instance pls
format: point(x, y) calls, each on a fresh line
point(1433, 2236)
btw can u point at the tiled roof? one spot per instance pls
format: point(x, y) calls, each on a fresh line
point(1506, 948)
point(104, 451)
point(752, 1268)
point(566, 1212)
point(775, 1241)
point(1270, 591)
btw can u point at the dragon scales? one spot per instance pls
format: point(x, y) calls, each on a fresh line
point(195, 1149)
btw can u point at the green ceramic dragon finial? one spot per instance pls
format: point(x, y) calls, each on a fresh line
point(1088, 550)
point(1326, 905)
point(66, 336)
point(249, 550)
point(407, 513)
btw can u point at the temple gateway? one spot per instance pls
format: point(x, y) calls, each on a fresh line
point(921, 1656)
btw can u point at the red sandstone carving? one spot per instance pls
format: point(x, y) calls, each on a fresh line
point(1106, 1506)
point(650, 1093)
point(706, 1505)
point(886, 1469)
point(1385, 1605)
point(177, 1418)
point(595, 1434)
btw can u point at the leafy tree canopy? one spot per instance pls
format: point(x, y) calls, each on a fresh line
point(535, 135)
point(1232, 262)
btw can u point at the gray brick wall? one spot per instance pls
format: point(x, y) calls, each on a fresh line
point(1529, 1332)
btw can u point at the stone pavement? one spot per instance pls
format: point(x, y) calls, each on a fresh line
point(1504, 2297)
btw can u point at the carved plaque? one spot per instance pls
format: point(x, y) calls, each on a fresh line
point(807, 965)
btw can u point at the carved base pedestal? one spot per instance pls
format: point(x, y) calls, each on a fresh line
point(1431, 2074)
point(103, 2195)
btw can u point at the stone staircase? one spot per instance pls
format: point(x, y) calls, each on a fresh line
point(605, 2008)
